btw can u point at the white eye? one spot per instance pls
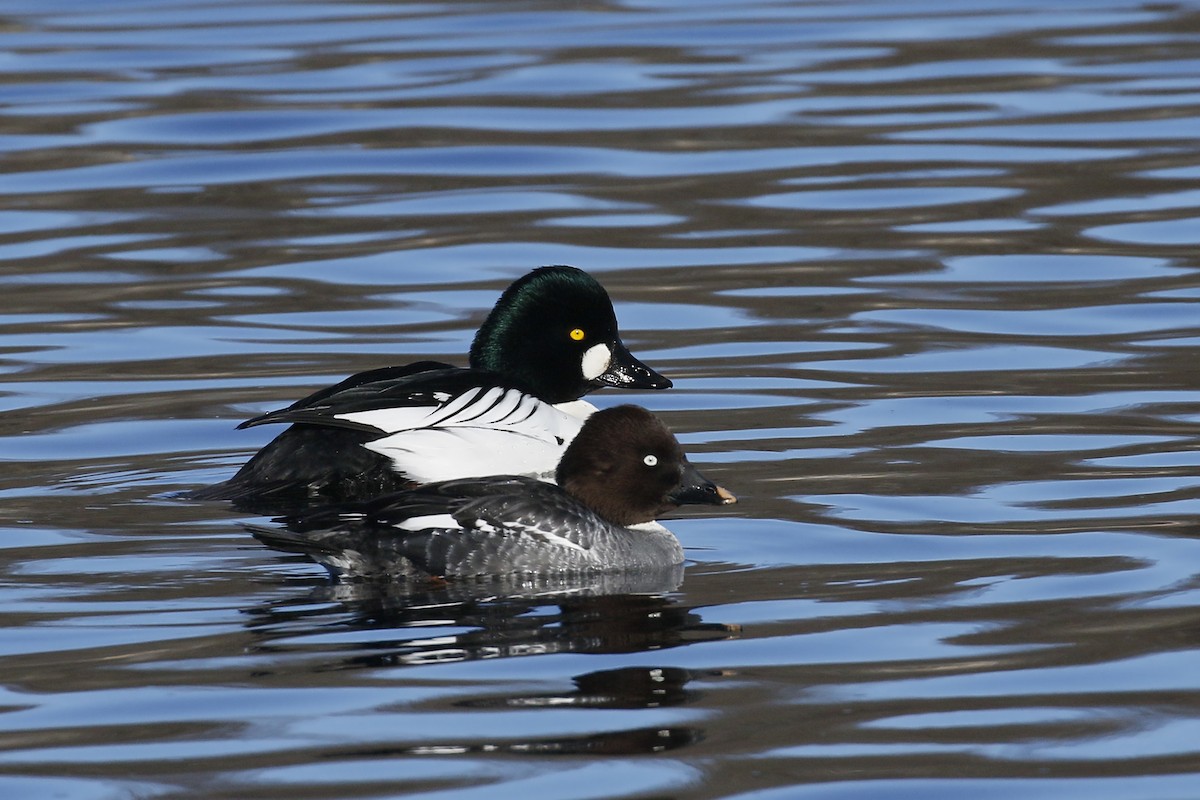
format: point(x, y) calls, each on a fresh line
point(650, 460)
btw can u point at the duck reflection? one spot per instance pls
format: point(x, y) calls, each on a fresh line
point(423, 622)
point(613, 743)
point(624, 688)
point(371, 626)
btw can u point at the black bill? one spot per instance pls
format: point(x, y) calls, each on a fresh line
point(696, 489)
point(626, 372)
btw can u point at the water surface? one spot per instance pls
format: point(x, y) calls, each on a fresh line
point(924, 275)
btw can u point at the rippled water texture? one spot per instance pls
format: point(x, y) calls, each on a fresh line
point(925, 276)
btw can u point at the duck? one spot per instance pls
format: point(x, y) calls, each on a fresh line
point(618, 475)
point(550, 339)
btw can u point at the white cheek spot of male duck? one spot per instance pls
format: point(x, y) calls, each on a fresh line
point(596, 360)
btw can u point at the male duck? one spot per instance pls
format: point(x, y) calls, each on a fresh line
point(550, 339)
point(622, 471)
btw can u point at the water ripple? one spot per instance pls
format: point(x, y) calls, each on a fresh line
point(925, 280)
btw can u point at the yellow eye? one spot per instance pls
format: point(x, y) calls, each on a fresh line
point(577, 334)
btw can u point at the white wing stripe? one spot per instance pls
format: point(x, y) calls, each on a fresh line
point(473, 408)
point(424, 523)
point(449, 410)
point(554, 539)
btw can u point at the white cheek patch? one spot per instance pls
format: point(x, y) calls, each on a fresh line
point(596, 360)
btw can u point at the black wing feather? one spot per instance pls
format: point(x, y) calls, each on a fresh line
point(498, 517)
point(389, 387)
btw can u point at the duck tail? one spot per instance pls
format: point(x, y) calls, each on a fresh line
point(287, 541)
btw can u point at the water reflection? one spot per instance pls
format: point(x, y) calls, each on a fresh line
point(925, 278)
point(378, 627)
point(386, 624)
point(615, 743)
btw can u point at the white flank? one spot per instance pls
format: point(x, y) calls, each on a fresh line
point(493, 432)
point(480, 432)
point(440, 454)
point(596, 360)
point(577, 408)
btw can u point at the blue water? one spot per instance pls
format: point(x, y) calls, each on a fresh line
point(924, 276)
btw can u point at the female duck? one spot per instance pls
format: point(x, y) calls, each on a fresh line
point(622, 471)
point(551, 338)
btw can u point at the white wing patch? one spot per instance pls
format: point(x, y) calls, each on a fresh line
point(480, 432)
point(650, 527)
point(424, 523)
point(448, 522)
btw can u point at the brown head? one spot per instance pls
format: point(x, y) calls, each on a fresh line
point(627, 467)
